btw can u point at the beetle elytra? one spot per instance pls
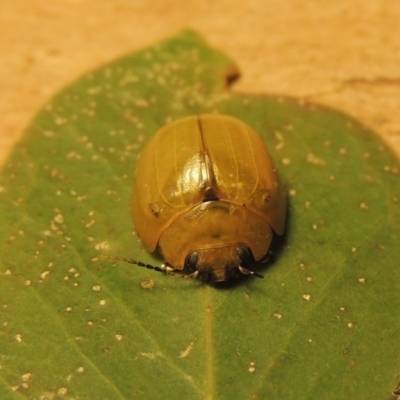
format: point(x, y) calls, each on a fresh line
point(208, 196)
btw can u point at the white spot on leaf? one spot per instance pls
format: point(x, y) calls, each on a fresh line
point(252, 367)
point(314, 160)
point(184, 353)
point(18, 337)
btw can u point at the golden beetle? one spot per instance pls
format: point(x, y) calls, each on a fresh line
point(207, 195)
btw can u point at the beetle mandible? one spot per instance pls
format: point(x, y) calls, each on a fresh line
point(208, 196)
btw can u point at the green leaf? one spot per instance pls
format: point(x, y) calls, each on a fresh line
point(323, 323)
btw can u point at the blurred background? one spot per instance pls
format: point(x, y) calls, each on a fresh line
point(344, 54)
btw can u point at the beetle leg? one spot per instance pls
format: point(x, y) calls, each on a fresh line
point(267, 258)
point(194, 275)
point(167, 268)
point(172, 271)
point(246, 271)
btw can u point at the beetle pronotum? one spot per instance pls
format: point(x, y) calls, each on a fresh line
point(207, 195)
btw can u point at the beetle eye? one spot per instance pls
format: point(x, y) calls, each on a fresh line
point(191, 260)
point(245, 255)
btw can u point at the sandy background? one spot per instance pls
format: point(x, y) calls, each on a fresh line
point(345, 53)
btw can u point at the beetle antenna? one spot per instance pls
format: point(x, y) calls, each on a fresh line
point(246, 271)
point(165, 268)
point(132, 261)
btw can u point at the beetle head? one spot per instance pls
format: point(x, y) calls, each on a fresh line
point(214, 264)
point(219, 264)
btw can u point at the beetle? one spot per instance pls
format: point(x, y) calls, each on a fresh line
point(208, 197)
